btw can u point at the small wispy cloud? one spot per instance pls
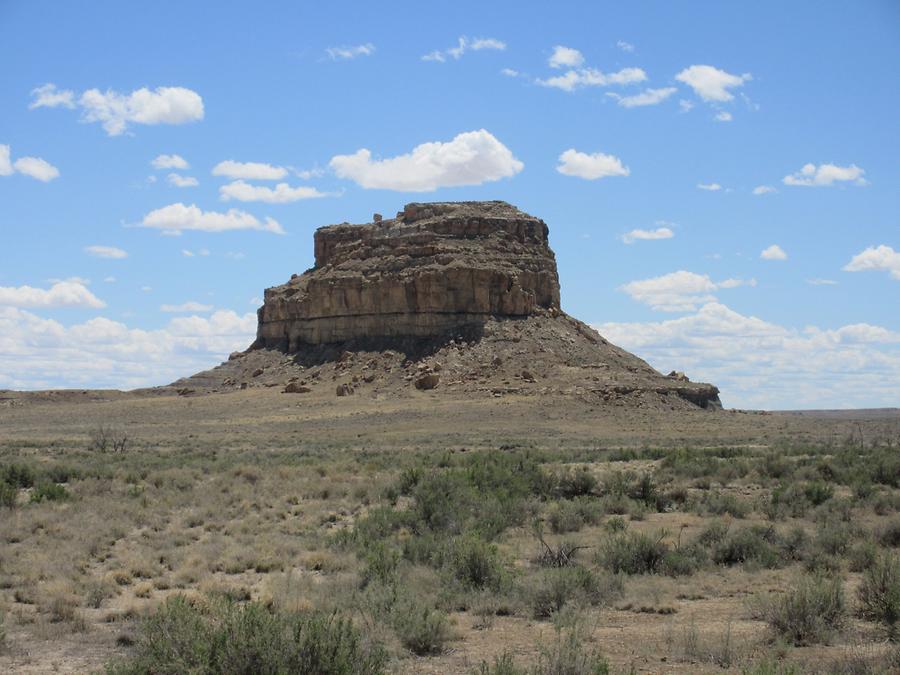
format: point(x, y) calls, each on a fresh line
point(350, 52)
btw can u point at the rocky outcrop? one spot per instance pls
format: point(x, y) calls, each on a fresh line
point(432, 270)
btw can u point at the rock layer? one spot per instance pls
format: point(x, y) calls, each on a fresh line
point(432, 270)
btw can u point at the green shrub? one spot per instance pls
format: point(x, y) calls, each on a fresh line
point(8, 495)
point(380, 563)
point(420, 628)
point(818, 492)
point(224, 637)
point(890, 534)
point(809, 614)
point(750, 544)
point(575, 483)
point(476, 563)
point(503, 665)
point(18, 475)
point(555, 588)
point(567, 656)
point(879, 593)
point(719, 504)
point(49, 492)
point(863, 556)
point(570, 515)
point(634, 553)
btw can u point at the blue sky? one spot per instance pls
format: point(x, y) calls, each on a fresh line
point(711, 132)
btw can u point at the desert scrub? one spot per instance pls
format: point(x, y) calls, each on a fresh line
point(810, 613)
point(879, 593)
point(757, 545)
point(220, 636)
point(420, 628)
point(552, 589)
point(49, 492)
point(570, 515)
point(633, 553)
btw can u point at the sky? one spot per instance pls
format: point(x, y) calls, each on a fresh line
point(721, 180)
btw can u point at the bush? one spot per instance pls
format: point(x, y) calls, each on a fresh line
point(634, 553)
point(555, 588)
point(575, 483)
point(750, 544)
point(810, 613)
point(421, 629)
point(220, 636)
point(818, 492)
point(879, 593)
point(571, 515)
point(567, 656)
point(8, 495)
point(49, 492)
point(18, 475)
point(718, 504)
point(476, 564)
point(890, 534)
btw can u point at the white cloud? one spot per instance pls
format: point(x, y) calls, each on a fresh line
point(190, 254)
point(590, 77)
point(69, 293)
point(763, 190)
point(39, 353)
point(182, 181)
point(281, 194)
point(249, 170)
point(723, 116)
point(625, 46)
point(344, 53)
point(709, 187)
point(35, 167)
point(647, 235)
point(48, 96)
point(109, 280)
point(684, 105)
point(773, 252)
point(164, 105)
point(876, 258)
point(106, 252)
point(590, 166)
point(679, 291)
point(146, 289)
point(711, 84)
point(471, 158)
point(758, 364)
point(175, 218)
point(509, 72)
point(170, 162)
point(646, 97)
point(825, 174)
point(190, 306)
point(821, 282)
point(464, 45)
point(565, 57)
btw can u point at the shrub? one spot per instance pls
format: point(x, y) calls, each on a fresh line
point(18, 475)
point(634, 553)
point(380, 563)
point(571, 515)
point(220, 636)
point(8, 495)
point(718, 504)
point(818, 492)
point(554, 588)
point(49, 492)
point(810, 613)
point(750, 544)
point(575, 483)
point(476, 564)
point(567, 656)
point(503, 665)
point(879, 593)
point(421, 629)
point(890, 534)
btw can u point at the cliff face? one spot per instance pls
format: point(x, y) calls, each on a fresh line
point(433, 269)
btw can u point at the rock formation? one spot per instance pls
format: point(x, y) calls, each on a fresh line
point(431, 270)
point(459, 297)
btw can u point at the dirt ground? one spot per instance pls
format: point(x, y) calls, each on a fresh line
point(243, 491)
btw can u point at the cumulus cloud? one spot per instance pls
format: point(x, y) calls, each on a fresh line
point(712, 84)
point(48, 96)
point(39, 353)
point(182, 181)
point(591, 77)
point(190, 306)
point(509, 72)
point(345, 53)
point(115, 111)
point(590, 166)
point(723, 116)
point(825, 175)
point(175, 218)
point(464, 45)
point(68, 293)
point(106, 252)
point(763, 190)
point(625, 46)
point(647, 235)
point(565, 57)
point(773, 252)
point(281, 194)
point(249, 170)
point(471, 158)
point(679, 291)
point(878, 259)
point(646, 97)
point(758, 364)
point(35, 167)
point(170, 162)
point(709, 187)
